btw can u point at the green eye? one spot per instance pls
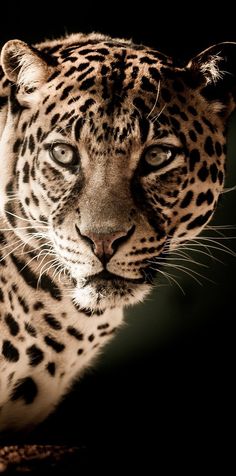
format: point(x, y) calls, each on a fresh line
point(64, 154)
point(157, 155)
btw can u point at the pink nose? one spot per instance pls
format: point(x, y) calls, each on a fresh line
point(104, 245)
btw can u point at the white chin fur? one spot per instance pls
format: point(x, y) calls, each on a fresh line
point(88, 297)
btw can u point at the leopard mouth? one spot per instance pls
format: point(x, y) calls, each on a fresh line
point(111, 278)
point(108, 290)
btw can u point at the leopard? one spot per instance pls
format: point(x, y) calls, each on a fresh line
point(112, 156)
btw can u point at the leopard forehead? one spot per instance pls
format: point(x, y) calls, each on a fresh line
point(111, 85)
point(119, 78)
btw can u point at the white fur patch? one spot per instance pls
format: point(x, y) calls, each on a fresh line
point(88, 297)
point(211, 70)
point(25, 68)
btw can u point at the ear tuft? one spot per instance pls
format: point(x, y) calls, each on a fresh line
point(23, 65)
point(215, 63)
point(211, 69)
point(215, 72)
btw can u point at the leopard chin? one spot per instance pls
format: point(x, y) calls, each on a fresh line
point(99, 292)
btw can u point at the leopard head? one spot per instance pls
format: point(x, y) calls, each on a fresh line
point(116, 151)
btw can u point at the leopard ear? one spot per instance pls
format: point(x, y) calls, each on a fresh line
point(216, 62)
point(215, 68)
point(24, 66)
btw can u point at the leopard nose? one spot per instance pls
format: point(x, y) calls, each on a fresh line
point(104, 245)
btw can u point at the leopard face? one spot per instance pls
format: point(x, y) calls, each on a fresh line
point(116, 152)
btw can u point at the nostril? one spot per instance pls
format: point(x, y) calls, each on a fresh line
point(85, 238)
point(104, 245)
point(122, 239)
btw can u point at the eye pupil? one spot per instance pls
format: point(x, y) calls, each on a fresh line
point(64, 154)
point(157, 155)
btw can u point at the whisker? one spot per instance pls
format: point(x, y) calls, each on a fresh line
point(229, 189)
point(155, 118)
point(221, 237)
point(22, 228)
point(44, 269)
point(9, 245)
point(12, 251)
point(220, 227)
point(169, 277)
point(188, 260)
point(25, 219)
point(157, 97)
point(208, 243)
point(200, 251)
point(191, 272)
point(45, 255)
point(217, 246)
point(42, 252)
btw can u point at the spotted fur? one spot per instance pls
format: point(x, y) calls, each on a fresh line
point(80, 241)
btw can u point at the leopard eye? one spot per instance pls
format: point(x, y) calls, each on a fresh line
point(157, 155)
point(64, 154)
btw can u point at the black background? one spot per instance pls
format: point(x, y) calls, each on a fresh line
point(164, 389)
point(175, 28)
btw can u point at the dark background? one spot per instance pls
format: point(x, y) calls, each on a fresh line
point(175, 28)
point(164, 388)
